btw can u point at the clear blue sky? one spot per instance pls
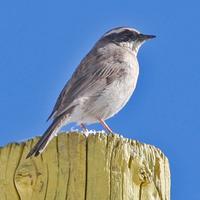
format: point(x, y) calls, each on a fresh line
point(42, 42)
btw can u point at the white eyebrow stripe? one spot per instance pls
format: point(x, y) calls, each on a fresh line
point(119, 30)
point(115, 31)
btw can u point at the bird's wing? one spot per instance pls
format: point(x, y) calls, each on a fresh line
point(91, 76)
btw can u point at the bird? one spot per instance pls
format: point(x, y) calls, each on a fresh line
point(100, 86)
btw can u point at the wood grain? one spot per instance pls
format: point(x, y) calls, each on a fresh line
point(75, 167)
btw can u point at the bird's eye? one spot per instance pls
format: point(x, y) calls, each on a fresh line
point(129, 36)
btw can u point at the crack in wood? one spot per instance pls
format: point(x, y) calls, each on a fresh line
point(115, 173)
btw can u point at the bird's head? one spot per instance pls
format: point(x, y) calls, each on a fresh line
point(126, 37)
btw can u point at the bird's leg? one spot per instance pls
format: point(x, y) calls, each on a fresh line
point(103, 123)
point(83, 127)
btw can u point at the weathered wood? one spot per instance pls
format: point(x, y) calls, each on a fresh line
point(74, 167)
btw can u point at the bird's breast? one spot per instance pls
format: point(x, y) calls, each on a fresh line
point(125, 86)
point(115, 96)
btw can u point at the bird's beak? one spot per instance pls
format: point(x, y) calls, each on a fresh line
point(144, 37)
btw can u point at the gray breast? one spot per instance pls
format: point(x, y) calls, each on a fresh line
point(115, 95)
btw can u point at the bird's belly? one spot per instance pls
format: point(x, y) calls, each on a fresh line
point(115, 97)
point(111, 100)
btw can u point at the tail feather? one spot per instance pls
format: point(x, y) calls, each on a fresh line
point(46, 138)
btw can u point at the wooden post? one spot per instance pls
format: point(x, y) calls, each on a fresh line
point(75, 167)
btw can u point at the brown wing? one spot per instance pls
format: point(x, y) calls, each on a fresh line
point(91, 76)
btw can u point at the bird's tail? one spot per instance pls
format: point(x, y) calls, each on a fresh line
point(46, 138)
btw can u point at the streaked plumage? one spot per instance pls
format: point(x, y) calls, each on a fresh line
point(101, 85)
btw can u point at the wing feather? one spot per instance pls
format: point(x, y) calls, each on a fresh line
point(91, 76)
